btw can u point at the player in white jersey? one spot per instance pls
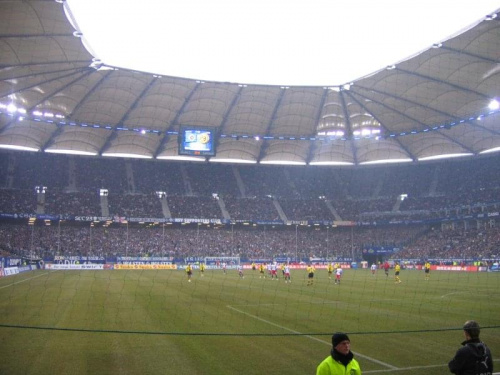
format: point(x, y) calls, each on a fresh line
point(373, 268)
point(287, 274)
point(338, 275)
point(240, 271)
point(274, 273)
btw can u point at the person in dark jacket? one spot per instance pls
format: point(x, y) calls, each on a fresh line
point(474, 357)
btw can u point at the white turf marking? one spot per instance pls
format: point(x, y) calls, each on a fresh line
point(311, 337)
point(22, 281)
point(449, 294)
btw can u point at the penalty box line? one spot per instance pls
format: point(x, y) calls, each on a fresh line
point(310, 337)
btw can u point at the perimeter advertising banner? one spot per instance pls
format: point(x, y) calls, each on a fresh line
point(144, 260)
point(79, 260)
point(145, 267)
point(69, 266)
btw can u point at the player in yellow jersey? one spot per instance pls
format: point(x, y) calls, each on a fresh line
point(397, 268)
point(202, 269)
point(330, 270)
point(253, 266)
point(189, 272)
point(427, 270)
point(310, 274)
point(262, 270)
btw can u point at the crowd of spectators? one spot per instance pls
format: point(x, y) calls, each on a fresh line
point(310, 209)
point(435, 190)
point(76, 204)
point(194, 207)
point(16, 201)
point(102, 173)
point(151, 176)
point(251, 208)
point(39, 169)
point(456, 243)
point(254, 242)
point(136, 205)
point(207, 179)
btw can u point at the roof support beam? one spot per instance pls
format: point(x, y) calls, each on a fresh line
point(42, 73)
point(429, 78)
point(478, 57)
point(90, 92)
point(5, 36)
point(174, 122)
point(349, 128)
point(7, 125)
point(312, 144)
point(412, 119)
point(353, 89)
point(265, 144)
point(86, 62)
point(114, 132)
point(86, 70)
point(383, 126)
point(136, 101)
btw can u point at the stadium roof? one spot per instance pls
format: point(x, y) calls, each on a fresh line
point(55, 96)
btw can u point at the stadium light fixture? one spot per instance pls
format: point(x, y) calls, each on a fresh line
point(330, 163)
point(445, 156)
point(230, 160)
point(494, 105)
point(283, 162)
point(126, 155)
point(71, 152)
point(495, 149)
point(11, 108)
point(386, 161)
point(19, 148)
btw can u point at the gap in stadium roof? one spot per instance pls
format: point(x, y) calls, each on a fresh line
point(272, 42)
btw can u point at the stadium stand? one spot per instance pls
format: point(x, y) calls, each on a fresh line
point(349, 194)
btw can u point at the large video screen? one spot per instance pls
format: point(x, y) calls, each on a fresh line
point(197, 140)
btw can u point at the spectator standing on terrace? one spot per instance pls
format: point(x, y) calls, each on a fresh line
point(474, 357)
point(341, 360)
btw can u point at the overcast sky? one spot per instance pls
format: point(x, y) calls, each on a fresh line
point(279, 42)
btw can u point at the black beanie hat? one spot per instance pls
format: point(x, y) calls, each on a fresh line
point(338, 337)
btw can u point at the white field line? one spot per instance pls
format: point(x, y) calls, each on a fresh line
point(449, 294)
point(412, 368)
point(391, 367)
point(310, 337)
point(22, 281)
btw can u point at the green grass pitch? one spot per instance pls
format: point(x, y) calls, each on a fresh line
point(156, 322)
